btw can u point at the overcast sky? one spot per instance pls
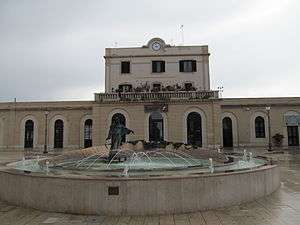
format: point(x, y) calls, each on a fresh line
point(53, 49)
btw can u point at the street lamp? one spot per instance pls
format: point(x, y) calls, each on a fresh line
point(46, 133)
point(268, 108)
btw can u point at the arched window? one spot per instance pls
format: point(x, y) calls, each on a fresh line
point(260, 127)
point(88, 129)
point(59, 134)
point(121, 118)
point(194, 129)
point(156, 127)
point(29, 132)
point(227, 132)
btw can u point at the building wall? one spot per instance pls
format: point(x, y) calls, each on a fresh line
point(14, 115)
point(245, 110)
point(242, 112)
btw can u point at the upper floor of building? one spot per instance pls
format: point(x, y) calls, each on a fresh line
point(156, 67)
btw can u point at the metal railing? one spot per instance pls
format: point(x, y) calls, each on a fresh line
point(156, 96)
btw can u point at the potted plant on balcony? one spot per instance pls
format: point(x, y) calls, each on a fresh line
point(178, 87)
point(170, 88)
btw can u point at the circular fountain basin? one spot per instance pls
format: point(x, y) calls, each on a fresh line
point(158, 189)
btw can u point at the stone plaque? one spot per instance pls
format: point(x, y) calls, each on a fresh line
point(155, 108)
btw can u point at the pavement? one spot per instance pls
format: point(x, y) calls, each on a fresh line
point(280, 208)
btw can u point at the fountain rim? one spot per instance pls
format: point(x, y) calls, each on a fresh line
point(9, 170)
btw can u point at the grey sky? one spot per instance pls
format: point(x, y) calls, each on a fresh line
point(53, 49)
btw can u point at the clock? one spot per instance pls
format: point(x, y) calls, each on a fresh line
point(156, 46)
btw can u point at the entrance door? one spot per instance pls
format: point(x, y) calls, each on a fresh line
point(156, 127)
point(194, 129)
point(227, 132)
point(293, 135)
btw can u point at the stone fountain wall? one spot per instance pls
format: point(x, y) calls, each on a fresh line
point(136, 196)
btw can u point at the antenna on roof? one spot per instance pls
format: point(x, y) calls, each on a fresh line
point(182, 34)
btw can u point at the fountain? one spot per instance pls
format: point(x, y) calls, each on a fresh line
point(135, 179)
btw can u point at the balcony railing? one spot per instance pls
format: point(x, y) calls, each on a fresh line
point(156, 96)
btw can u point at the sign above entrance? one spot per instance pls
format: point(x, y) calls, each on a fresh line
point(155, 108)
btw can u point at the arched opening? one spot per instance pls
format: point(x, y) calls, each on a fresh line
point(194, 129)
point(260, 131)
point(29, 134)
point(58, 134)
point(227, 132)
point(121, 118)
point(88, 129)
point(156, 127)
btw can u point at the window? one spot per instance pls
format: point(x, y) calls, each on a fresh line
point(58, 134)
point(88, 129)
point(260, 127)
point(125, 67)
point(187, 66)
point(158, 66)
point(156, 87)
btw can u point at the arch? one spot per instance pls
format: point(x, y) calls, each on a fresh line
point(291, 131)
point(194, 129)
point(235, 137)
point(165, 126)
point(203, 125)
point(259, 141)
point(260, 130)
point(110, 119)
point(51, 128)
point(35, 131)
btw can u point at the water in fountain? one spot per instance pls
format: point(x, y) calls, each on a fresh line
point(245, 155)
point(129, 162)
point(211, 166)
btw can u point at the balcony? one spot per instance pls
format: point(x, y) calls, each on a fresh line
point(156, 96)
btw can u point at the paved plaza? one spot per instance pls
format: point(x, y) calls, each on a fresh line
point(282, 207)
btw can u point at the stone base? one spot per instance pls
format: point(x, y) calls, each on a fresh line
point(81, 194)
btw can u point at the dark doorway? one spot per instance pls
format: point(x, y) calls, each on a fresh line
point(122, 119)
point(194, 129)
point(29, 133)
point(227, 132)
point(156, 127)
point(88, 129)
point(293, 135)
point(59, 134)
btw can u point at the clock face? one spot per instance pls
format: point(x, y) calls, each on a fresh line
point(156, 46)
